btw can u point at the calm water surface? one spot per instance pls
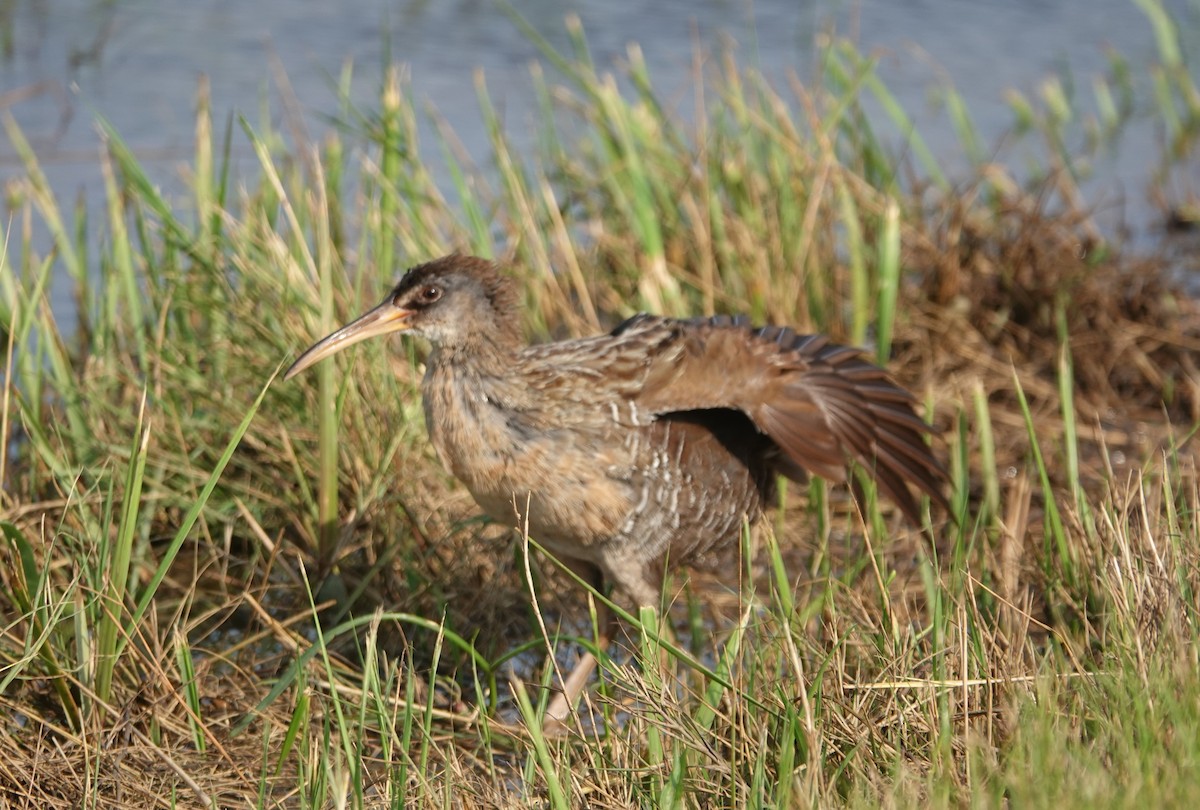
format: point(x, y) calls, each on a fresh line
point(136, 63)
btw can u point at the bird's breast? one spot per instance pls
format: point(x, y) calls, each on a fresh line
point(524, 470)
point(584, 482)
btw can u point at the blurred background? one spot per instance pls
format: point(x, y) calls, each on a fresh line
point(63, 63)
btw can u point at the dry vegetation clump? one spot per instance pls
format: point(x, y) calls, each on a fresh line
point(1024, 278)
point(1001, 293)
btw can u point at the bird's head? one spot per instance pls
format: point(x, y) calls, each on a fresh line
point(456, 302)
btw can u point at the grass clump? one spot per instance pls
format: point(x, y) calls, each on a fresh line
point(222, 591)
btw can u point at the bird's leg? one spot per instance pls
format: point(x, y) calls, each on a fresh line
point(576, 680)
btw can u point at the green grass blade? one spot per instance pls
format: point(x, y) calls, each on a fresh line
point(1057, 543)
point(889, 279)
point(109, 636)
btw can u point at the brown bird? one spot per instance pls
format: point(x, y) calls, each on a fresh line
point(655, 441)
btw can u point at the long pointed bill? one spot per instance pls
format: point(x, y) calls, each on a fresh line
point(383, 320)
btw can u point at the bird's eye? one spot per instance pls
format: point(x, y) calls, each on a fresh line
point(431, 294)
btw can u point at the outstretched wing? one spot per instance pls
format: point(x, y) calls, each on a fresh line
point(820, 402)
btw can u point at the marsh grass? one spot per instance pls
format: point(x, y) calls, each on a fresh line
point(220, 590)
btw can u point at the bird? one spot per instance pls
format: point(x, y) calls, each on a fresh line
point(652, 444)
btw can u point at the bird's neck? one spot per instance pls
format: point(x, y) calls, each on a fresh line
point(481, 356)
point(469, 398)
point(472, 382)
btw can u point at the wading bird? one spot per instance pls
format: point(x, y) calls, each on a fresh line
point(654, 442)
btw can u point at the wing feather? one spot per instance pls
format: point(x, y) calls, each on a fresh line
point(821, 403)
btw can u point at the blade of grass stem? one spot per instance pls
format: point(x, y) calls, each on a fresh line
point(1055, 531)
point(191, 693)
point(541, 749)
point(889, 279)
point(860, 279)
point(652, 676)
point(122, 262)
point(112, 607)
point(987, 452)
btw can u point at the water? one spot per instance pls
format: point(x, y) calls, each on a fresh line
point(137, 63)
